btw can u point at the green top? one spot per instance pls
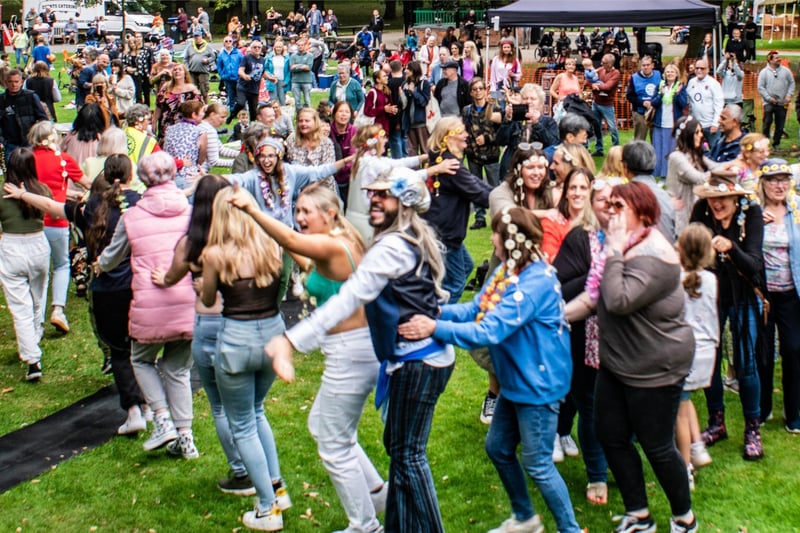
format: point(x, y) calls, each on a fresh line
point(322, 288)
point(12, 220)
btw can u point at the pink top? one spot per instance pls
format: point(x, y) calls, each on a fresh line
point(568, 86)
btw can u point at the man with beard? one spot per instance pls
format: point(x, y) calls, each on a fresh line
point(275, 186)
point(398, 276)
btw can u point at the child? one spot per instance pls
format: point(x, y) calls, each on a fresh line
point(696, 255)
point(241, 126)
point(589, 73)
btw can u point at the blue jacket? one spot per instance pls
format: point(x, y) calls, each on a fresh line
point(354, 94)
point(528, 339)
point(287, 74)
point(679, 101)
point(641, 89)
point(794, 244)
point(421, 96)
point(228, 64)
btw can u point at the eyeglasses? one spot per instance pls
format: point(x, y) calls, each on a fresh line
point(775, 180)
point(226, 41)
point(378, 194)
point(617, 206)
point(530, 146)
point(701, 68)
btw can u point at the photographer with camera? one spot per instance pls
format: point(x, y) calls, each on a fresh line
point(524, 122)
point(732, 77)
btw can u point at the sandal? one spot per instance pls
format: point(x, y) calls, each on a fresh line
point(597, 493)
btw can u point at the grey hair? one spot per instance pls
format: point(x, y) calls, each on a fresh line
point(112, 141)
point(532, 88)
point(42, 133)
point(574, 124)
point(639, 157)
point(156, 168)
point(735, 112)
point(91, 53)
point(136, 113)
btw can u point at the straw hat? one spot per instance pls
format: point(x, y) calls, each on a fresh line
point(718, 186)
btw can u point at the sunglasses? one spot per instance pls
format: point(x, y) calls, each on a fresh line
point(617, 206)
point(530, 146)
point(378, 194)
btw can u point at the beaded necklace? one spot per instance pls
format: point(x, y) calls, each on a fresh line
point(283, 195)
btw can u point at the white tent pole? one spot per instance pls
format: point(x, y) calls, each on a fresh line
point(486, 53)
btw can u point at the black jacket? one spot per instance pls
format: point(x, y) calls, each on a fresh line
point(27, 111)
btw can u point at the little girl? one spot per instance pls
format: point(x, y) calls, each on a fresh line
point(696, 254)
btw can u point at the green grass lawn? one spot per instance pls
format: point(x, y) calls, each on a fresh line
point(119, 487)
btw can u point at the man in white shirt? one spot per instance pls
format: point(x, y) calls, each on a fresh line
point(706, 100)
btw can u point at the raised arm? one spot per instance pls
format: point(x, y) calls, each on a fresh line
point(48, 205)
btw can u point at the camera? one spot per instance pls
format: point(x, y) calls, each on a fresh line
point(518, 112)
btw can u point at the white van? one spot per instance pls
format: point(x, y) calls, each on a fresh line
point(137, 19)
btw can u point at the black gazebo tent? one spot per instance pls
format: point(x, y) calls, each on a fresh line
point(607, 13)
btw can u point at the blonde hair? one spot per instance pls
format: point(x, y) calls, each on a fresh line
point(576, 155)
point(444, 128)
point(474, 56)
point(43, 133)
point(612, 166)
point(242, 241)
point(112, 141)
point(316, 134)
point(187, 78)
point(360, 142)
point(326, 200)
point(748, 142)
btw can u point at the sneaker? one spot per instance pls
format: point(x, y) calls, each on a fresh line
point(282, 498)
point(753, 449)
point(731, 385)
point(378, 529)
point(699, 455)
point(690, 473)
point(793, 427)
point(238, 485)
point(183, 446)
point(379, 498)
point(598, 153)
point(478, 224)
point(569, 446)
point(70, 105)
point(512, 525)
point(633, 524)
point(487, 411)
point(558, 451)
point(34, 371)
point(147, 413)
point(764, 419)
point(106, 368)
point(59, 320)
point(163, 433)
point(134, 423)
point(678, 526)
point(270, 520)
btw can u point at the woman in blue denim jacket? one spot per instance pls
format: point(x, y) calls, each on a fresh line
point(519, 315)
point(782, 268)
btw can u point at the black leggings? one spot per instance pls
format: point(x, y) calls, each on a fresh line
point(245, 99)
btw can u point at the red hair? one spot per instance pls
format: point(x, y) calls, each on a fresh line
point(641, 200)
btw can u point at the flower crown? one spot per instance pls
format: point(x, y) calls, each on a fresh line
point(763, 143)
point(774, 168)
point(515, 241)
point(373, 141)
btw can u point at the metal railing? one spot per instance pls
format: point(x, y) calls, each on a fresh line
point(430, 17)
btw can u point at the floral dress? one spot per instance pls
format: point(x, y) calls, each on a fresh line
point(323, 154)
point(182, 142)
point(169, 103)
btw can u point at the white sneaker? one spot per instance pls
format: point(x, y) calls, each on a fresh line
point(690, 474)
point(59, 320)
point(379, 498)
point(147, 413)
point(163, 432)
point(699, 455)
point(134, 424)
point(282, 498)
point(271, 520)
point(512, 525)
point(569, 446)
point(558, 451)
point(183, 446)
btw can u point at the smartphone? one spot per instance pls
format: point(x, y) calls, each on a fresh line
point(518, 112)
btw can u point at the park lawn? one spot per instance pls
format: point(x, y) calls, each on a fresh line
point(119, 487)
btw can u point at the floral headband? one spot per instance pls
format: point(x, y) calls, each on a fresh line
point(273, 143)
point(773, 169)
point(373, 141)
point(515, 241)
point(759, 145)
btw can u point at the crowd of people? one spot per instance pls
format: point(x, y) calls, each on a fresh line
point(367, 199)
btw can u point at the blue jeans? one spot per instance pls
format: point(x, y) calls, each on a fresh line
point(230, 92)
point(744, 361)
point(244, 376)
point(605, 112)
point(664, 144)
point(398, 144)
point(59, 254)
point(21, 56)
point(306, 91)
point(278, 93)
point(204, 348)
point(622, 411)
point(458, 265)
point(412, 504)
point(533, 426)
point(313, 31)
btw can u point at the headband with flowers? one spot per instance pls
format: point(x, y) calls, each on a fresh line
point(758, 145)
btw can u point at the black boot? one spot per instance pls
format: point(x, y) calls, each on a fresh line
point(716, 430)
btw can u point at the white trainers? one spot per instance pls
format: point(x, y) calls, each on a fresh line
point(163, 432)
point(134, 423)
point(558, 451)
point(487, 410)
point(569, 446)
point(147, 413)
point(271, 520)
point(512, 525)
point(282, 498)
point(690, 474)
point(183, 446)
point(379, 498)
point(699, 455)
point(59, 319)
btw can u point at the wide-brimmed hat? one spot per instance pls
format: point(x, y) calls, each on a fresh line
point(718, 186)
point(405, 185)
point(773, 167)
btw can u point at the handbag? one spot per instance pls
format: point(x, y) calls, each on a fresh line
point(362, 120)
point(432, 114)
